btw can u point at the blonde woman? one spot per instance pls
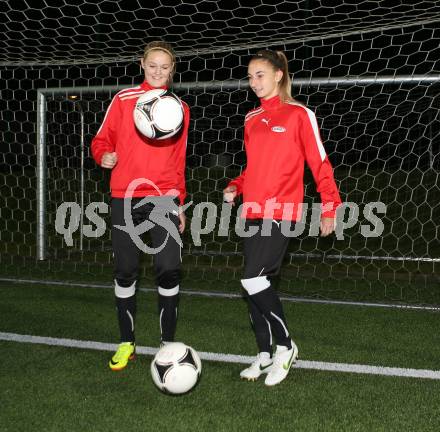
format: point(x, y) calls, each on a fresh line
point(158, 171)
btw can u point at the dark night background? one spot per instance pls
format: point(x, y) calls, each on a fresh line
point(382, 138)
point(75, 43)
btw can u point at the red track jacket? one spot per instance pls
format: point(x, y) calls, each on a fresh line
point(279, 138)
point(162, 162)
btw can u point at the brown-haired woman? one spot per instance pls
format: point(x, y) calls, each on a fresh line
point(279, 137)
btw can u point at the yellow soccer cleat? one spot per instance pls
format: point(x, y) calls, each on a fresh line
point(125, 352)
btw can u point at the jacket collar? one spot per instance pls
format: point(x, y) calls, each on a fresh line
point(270, 104)
point(147, 87)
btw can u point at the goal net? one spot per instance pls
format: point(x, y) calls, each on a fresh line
point(370, 73)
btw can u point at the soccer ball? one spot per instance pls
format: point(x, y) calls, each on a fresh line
point(176, 368)
point(158, 114)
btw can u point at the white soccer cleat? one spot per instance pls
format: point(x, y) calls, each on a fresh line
point(261, 365)
point(163, 343)
point(282, 361)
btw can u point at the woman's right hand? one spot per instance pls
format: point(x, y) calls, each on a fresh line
point(229, 194)
point(109, 160)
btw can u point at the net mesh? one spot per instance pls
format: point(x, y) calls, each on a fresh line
point(369, 72)
point(86, 32)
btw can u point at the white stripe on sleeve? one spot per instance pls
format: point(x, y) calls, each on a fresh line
point(315, 128)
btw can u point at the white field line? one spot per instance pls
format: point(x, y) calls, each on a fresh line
point(230, 358)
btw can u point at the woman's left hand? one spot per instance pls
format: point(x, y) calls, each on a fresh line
point(327, 226)
point(182, 219)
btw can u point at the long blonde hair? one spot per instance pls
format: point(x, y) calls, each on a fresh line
point(278, 61)
point(166, 48)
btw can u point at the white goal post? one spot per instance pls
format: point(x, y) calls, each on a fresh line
point(75, 94)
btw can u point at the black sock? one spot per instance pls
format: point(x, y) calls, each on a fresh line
point(261, 327)
point(126, 308)
point(268, 302)
point(168, 316)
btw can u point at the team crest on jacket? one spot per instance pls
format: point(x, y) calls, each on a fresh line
point(278, 129)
